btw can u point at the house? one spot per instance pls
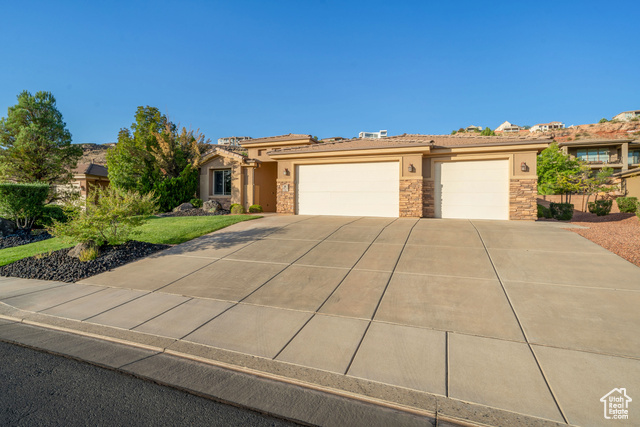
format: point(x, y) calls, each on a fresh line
point(333, 139)
point(507, 127)
point(629, 182)
point(379, 134)
point(233, 141)
point(619, 154)
point(544, 127)
point(433, 176)
point(627, 116)
point(86, 177)
point(473, 129)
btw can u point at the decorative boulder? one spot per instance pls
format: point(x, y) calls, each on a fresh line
point(7, 227)
point(211, 206)
point(183, 207)
point(80, 247)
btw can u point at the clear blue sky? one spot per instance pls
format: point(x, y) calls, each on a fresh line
point(328, 68)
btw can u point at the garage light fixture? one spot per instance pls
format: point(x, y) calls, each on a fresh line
point(412, 168)
point(524, 167)
point(286, 172)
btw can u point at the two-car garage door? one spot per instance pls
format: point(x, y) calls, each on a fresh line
point(472, 189)
point(350, 189)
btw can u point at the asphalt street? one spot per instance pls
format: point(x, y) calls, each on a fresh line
point(38, 389)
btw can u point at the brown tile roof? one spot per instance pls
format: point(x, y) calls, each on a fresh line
point(90, 169)
point(223, 150)
point(288, 137)
point(415, 140)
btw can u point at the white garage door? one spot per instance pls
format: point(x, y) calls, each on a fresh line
point(474, 189)
point(351, 189)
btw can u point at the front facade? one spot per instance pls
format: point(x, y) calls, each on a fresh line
point(507, 127)
point(618, 154)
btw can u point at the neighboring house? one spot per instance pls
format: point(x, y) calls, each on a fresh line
point(507, 127)
point(86, 177)
point(429, 176)
point(233, 141)
point(543, 127)
point(379, 134)
point(626, 116)
point(619, 154)
point(473, 129)
point(333, 139)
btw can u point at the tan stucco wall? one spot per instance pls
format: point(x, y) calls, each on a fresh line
point(206, 179)
point(264, 187)
point(633, 186)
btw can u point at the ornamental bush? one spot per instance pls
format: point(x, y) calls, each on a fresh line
point(51, 213)
point(22, 203)
point(600, 207)
point(110, 219)
point(197, 203)
point(172, 192)
point(627, 204)
point(561, 211)
point(255, 209)
point(543, 212)
point(237, 209)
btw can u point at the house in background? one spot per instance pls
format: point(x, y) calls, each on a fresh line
point(473, 129)
point(543, 127)
point(619, 154)
point(627, 116)
point(507, 127)
point(233, 141)
point(86, 178)
point(433, 176)
point(375, 135)
point(333, 139)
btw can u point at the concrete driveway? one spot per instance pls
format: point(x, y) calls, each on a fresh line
point(525, 317)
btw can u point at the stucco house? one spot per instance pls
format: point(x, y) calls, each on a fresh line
point(544, 127)
point(433, 176)
point(507, 127)
point(626, 116)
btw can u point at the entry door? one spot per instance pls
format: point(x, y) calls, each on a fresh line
point(349, 189)
point(472, 189)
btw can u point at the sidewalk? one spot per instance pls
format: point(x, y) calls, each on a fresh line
point(363, 308)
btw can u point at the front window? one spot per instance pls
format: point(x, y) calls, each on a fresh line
point(222, 182)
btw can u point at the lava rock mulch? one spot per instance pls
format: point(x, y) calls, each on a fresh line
point(194, 212)
point(22, 237)
point(63, 268)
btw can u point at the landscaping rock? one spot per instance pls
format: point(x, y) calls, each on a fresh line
point(81, 247)
point(63, 268)
point(22, 237)
point(193, 212)
point(211, 206)
point(7, 227)
point(183, 207)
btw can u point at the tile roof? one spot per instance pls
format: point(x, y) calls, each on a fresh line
point(233, 152)
point(278, 138)
point(415, 140)
point(90, 169)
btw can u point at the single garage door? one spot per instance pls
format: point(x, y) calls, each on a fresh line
point(472, 189)
point(350, 189)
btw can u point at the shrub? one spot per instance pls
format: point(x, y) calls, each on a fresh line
point(543, 212)
point(627, 204)
point(600, 207)
point(603, 120)
point(174, 191)
point(89, 254)
point(197, 203)
point(22, 203)
point(112, 218)
point(561, 211)
point(51, 213)
point(237, 209)
point(255, 208)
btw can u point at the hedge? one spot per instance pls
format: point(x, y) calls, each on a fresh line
point(22, 203)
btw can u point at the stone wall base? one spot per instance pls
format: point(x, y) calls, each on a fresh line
point(523, 195)
point(285, 197)
point(411, 198)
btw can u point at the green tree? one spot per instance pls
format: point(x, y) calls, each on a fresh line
point(487, 132)
point(558, 173)
point(595, 184)
point(36, 143)
point(603, 120)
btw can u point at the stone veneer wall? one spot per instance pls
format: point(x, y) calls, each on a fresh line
point(523, 194)
point(285, 199)
point(411, 198)
point(428, 199)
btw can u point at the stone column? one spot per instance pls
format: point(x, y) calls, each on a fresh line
point(411, 198)
point(285, 202)
point(523, 195)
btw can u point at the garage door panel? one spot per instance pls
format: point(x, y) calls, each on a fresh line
point(351, 189)
point(472, 189)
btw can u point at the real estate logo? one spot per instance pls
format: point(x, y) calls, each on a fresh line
point(616, 404)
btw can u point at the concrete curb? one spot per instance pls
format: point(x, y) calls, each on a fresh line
point(280, 389)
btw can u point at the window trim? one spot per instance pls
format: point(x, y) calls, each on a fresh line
point(225, 191)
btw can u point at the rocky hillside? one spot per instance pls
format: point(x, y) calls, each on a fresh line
point(95, 153)
point(609, 130)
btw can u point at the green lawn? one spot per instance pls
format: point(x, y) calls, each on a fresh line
point(157, 230)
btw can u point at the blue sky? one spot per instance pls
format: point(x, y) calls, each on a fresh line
point(327, 68)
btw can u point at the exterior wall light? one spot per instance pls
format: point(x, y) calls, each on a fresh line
point(524, 167)
point(412, 168)
point(286, 172)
